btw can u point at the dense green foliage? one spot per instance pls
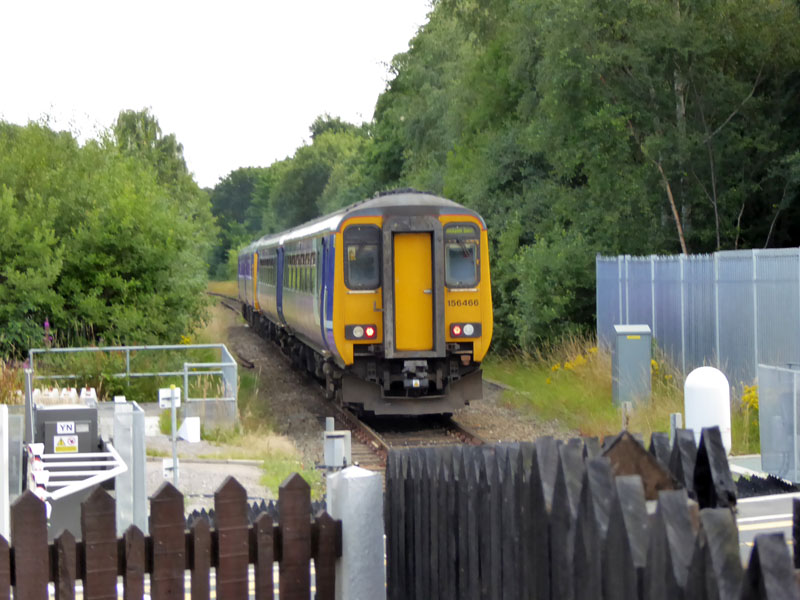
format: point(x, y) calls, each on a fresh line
point(576, 127)
point(103, 241)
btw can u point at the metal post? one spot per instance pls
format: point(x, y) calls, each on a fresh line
point(174, 438)
point(28, 434)
point(755, 311)
point(653, 293)
point(619, 286)
point(716, 307)
point(682, 261)
point(627, 290)
point(186, 386)
point(675, 423)
point(794, 425)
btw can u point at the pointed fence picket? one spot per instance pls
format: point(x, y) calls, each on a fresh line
point(558, 521)
point(99, 558)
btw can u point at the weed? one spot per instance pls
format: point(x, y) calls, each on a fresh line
point(277, 453)
point(221, 435)
point(165, 421)
point(155, 452)
point(570, 384)
point(745, 432)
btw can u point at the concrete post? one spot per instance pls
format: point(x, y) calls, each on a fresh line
point(5, 507)
point(355, 496)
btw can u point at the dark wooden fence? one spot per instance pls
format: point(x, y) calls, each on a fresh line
point(100, 557)
point(572, 521)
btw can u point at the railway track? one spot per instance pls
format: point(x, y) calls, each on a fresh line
point(373, 437)
point(232, 303)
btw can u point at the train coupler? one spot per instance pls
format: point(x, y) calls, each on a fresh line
point(415, 376)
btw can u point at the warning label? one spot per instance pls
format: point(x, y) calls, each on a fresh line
point(65, 443)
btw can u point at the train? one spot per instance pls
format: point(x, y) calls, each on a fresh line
point(387, 301)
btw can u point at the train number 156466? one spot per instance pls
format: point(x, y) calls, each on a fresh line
point(468, 302)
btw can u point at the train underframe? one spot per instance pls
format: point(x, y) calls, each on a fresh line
point(381, 386)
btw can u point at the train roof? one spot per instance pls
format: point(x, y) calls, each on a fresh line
point(378, 205)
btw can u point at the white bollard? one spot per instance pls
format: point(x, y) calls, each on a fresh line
point(707, 402)
point(355, 496)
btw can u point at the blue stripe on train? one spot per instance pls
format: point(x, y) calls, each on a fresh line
point(327, 296)
point(279, 286)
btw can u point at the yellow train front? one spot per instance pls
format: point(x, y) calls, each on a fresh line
point(395, 311)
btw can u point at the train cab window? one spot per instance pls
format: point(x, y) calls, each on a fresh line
point(362, 253)
point(461, 245)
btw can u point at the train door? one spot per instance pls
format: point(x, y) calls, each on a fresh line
point(279, 283)
point(413, 288)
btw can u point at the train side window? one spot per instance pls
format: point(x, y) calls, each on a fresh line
point(362, 254)
point(461, 245)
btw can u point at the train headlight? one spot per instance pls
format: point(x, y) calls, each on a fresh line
point(358, 331)
point(469, 329)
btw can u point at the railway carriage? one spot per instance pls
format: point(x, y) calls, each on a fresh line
point(246, 274)
point(388, 300)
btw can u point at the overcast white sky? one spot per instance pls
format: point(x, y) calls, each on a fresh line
point(238, 82)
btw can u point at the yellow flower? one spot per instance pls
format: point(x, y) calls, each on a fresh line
point(568, 366)
point(579, 360)
point(653, 365)
point(186, 340)
point(555, 367)
point(667, 377)
point(593, 350)
point(548, 381)
point(750, 396)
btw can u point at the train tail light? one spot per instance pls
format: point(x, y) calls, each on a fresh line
point(360, 332)
point(465, 330)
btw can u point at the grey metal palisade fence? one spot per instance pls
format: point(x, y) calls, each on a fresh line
point(732, 310)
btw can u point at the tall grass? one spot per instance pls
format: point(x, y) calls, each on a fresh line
point(569, 384)
point(227, 288)
point(11, 383)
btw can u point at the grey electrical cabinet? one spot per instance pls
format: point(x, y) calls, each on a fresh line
point(66, 429)
point(630, 364)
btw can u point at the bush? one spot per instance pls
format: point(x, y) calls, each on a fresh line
point(556, 295)
point(97, 241)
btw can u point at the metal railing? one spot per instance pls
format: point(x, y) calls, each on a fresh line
point(226, 367)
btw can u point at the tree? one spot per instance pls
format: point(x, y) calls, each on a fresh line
point(238, 216)
point(95, 243)
point(672, 99)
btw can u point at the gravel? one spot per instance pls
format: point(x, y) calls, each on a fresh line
point(297, 409)
point(199, 476)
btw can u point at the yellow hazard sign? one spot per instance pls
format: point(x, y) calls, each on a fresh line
point(65, 443)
